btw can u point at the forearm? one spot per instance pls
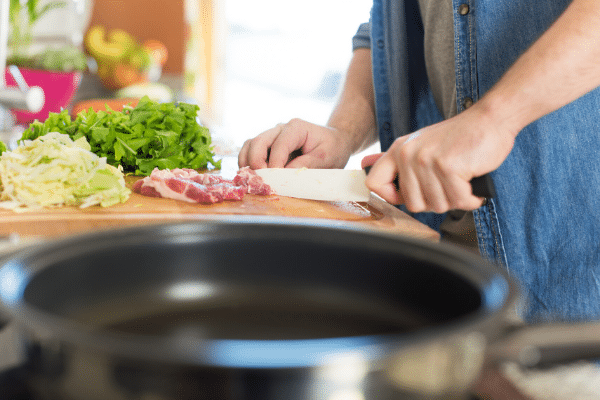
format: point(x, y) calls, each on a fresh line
point(354, 114)
point(561, 66)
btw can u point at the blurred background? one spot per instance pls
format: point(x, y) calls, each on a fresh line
point(248, 65)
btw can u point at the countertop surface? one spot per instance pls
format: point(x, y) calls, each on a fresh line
point(579, 381)
point(138, 209)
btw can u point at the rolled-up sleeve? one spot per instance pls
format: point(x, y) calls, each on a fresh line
point(362, 38)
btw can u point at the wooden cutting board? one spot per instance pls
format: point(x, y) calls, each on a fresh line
point(56, 222)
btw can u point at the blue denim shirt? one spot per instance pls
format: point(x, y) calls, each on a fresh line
point(544, 223)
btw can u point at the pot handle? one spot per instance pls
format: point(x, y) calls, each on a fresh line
point(546, 345)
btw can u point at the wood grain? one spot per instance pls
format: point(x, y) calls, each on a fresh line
point(56, 222)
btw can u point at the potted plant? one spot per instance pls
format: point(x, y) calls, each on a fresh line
point(57, 71)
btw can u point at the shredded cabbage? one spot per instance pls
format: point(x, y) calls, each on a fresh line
point(53, 171)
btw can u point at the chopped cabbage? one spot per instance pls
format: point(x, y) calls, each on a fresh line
point(53, 171)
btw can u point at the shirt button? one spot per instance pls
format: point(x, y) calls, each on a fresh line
point(387, 126)
point(380, 44)
point(468, 102)
point(463, 9)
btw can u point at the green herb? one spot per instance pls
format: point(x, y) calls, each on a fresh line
point(151, 135)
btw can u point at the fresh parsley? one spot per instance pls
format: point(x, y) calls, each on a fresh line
point(141, 138)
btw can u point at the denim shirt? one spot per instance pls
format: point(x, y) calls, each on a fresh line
point(544, 223)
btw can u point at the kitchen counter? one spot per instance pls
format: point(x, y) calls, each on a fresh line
point(575, 382)
point(57, 222)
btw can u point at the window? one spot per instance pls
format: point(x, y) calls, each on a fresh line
point(282, 60)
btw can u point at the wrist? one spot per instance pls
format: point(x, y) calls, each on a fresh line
point(501, 112)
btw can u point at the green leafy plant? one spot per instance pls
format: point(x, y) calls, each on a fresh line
point(151, 135)
point(23, 16)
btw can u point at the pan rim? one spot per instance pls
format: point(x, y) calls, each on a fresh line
point(314, 351)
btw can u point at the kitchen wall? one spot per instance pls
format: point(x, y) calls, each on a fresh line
point(147, 19)
point(191, 31)
point(163, 20)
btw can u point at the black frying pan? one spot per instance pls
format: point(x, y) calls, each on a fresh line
point(260, 308)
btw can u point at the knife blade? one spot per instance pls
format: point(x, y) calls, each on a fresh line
point(317, 184)
point(340, 184)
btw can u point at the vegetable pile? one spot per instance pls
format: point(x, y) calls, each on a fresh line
point(54, 170)
point(151, 135)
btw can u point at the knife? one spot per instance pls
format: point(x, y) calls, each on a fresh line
point(339, 184)
point(317, 184)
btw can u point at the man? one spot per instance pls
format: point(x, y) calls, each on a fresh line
point(527, 110)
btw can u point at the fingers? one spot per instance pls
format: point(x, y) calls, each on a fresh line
point(276, 147)
point(292, 137)
point(369, 160)
point(303, 161)
point(380, 179)
point(432, 191)
point(426, 182)
point(255, 152)
point(460, 195)
point(296, 144)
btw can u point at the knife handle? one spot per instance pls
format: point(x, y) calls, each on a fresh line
point(481, 186)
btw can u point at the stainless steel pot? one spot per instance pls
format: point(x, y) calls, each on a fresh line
point(266, 308)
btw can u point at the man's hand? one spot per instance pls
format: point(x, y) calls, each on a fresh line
point(321, 147)
point(350, 128)
point(435, 164)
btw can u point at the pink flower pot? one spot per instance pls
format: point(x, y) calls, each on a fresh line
point(59, 89)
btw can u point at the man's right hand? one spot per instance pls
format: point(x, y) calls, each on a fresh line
point(320, 147)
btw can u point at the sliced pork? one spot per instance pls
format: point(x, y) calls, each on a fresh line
point(247, 177)
point(189, 185)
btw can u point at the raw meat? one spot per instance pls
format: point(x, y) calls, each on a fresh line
point(247, 177)
point(191, 186)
